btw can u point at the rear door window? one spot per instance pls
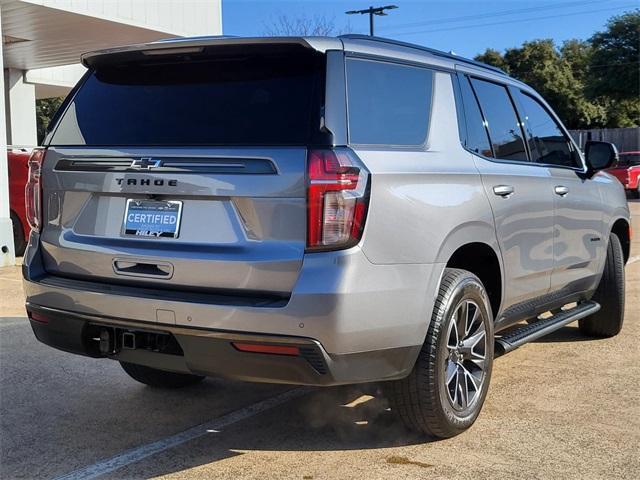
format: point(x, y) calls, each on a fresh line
point(255, 99)
point(388, 103)
point(502, 120)
point(547, 142)
point(476, 139)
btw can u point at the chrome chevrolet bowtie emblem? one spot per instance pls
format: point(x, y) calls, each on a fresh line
point(146, 163)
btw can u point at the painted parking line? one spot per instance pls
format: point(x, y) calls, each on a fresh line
point(213, 426)
point(633, 259)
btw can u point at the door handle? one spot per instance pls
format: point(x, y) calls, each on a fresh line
point(134, 268)
point(561, 190)
point(503, 190)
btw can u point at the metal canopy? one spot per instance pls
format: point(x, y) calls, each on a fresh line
point(35, 36)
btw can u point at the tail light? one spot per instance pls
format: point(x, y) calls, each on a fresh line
point(337, 198)
point(38, 317)
point(33, 190)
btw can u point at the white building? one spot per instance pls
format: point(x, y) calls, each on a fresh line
point(42, 41)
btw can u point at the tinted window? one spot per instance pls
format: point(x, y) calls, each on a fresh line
point(251, 100)
point(630, 160)
point(389, 104)
point(504, 128)
point(476, 137)
point(547, 143)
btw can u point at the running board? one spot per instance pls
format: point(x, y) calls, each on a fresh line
point(527, 333)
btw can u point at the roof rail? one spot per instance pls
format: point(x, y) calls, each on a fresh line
point(433, 51)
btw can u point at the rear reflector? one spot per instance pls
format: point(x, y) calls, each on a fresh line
point(38, 317)
point(265, 348)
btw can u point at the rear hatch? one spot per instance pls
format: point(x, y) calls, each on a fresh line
point(185, 171)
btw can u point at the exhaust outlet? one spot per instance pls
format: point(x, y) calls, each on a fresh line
point(106, 340)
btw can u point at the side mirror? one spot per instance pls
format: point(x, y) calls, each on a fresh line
point(600, 155)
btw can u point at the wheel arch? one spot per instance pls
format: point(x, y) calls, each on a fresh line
point(473, 246)
point(484, 262)
point(622, 228)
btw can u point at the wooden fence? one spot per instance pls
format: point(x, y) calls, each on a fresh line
point(626, 139)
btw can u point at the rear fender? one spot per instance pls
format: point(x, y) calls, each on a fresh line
point(472, 232)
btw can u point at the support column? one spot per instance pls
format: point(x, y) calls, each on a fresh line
point(21, 109)
point(7, 252)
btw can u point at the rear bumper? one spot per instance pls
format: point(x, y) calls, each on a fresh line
point(212, 353)
point(367, 321)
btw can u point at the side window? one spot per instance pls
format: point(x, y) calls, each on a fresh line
point(547, 142)
point(388, 103)
point(477, 139)
point(502, 121)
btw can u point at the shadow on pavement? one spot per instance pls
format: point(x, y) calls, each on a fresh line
point(570, 333)
point(77, 411)
point(330, 419)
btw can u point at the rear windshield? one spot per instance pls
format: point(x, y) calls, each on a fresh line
point(255, 99)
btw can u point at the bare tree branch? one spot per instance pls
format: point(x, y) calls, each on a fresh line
point(319, 25)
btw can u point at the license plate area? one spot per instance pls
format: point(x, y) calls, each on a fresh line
point(152, 218)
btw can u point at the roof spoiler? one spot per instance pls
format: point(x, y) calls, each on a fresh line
point(194, 45)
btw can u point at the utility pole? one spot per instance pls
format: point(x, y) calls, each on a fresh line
point(372, 11)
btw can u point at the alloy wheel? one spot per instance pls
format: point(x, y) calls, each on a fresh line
point(465, 363)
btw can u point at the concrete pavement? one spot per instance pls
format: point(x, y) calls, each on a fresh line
point(563, 407)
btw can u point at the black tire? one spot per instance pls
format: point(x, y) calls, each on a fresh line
point(19, 240)
point(607, 322)
point(422, 399)
point(159, 378)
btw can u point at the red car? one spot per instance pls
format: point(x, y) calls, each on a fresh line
point(627, 170)
point(18, 176)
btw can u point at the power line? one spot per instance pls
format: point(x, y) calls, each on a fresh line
point(372, 11)
point(499, 13)
point(505, 22)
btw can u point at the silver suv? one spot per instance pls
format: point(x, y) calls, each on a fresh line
point(317, 211)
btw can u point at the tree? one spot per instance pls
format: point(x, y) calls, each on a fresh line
point(493, 57)
point(613, 69)
point(540, 64)
point(620, 113)
point(319, 25)
point(578, 54)
point(592, 83)
point(45, 109)
point(614, 80)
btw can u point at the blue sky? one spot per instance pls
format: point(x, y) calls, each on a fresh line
point(466, 27)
